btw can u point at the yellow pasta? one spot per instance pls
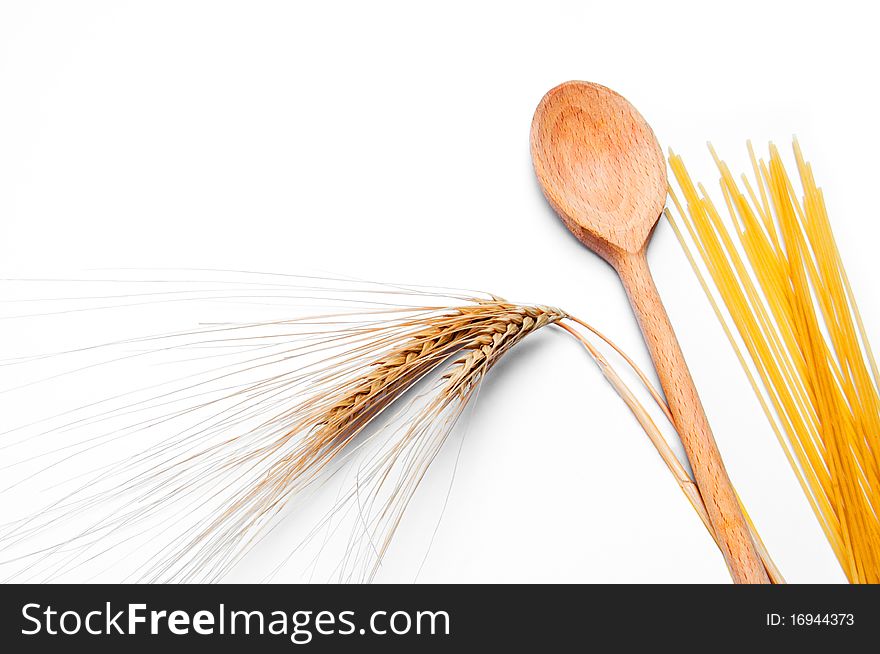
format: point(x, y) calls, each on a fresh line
point(791, 317)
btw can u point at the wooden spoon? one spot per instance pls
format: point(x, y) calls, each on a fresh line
point(603, 171)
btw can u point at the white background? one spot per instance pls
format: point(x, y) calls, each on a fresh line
point(390, 141)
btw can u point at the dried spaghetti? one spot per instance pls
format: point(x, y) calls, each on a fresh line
point(793, 321)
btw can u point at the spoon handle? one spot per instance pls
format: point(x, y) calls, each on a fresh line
point(690, 421)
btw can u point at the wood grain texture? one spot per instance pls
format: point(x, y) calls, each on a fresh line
point(690, 421)
point(600, 166)
point(603, 171)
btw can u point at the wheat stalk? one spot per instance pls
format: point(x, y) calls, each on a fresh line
point(480, 334)
point(277, 423)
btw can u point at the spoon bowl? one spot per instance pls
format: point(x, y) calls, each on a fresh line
point(600, 167)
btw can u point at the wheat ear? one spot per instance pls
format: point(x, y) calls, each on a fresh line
point(480, 334)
